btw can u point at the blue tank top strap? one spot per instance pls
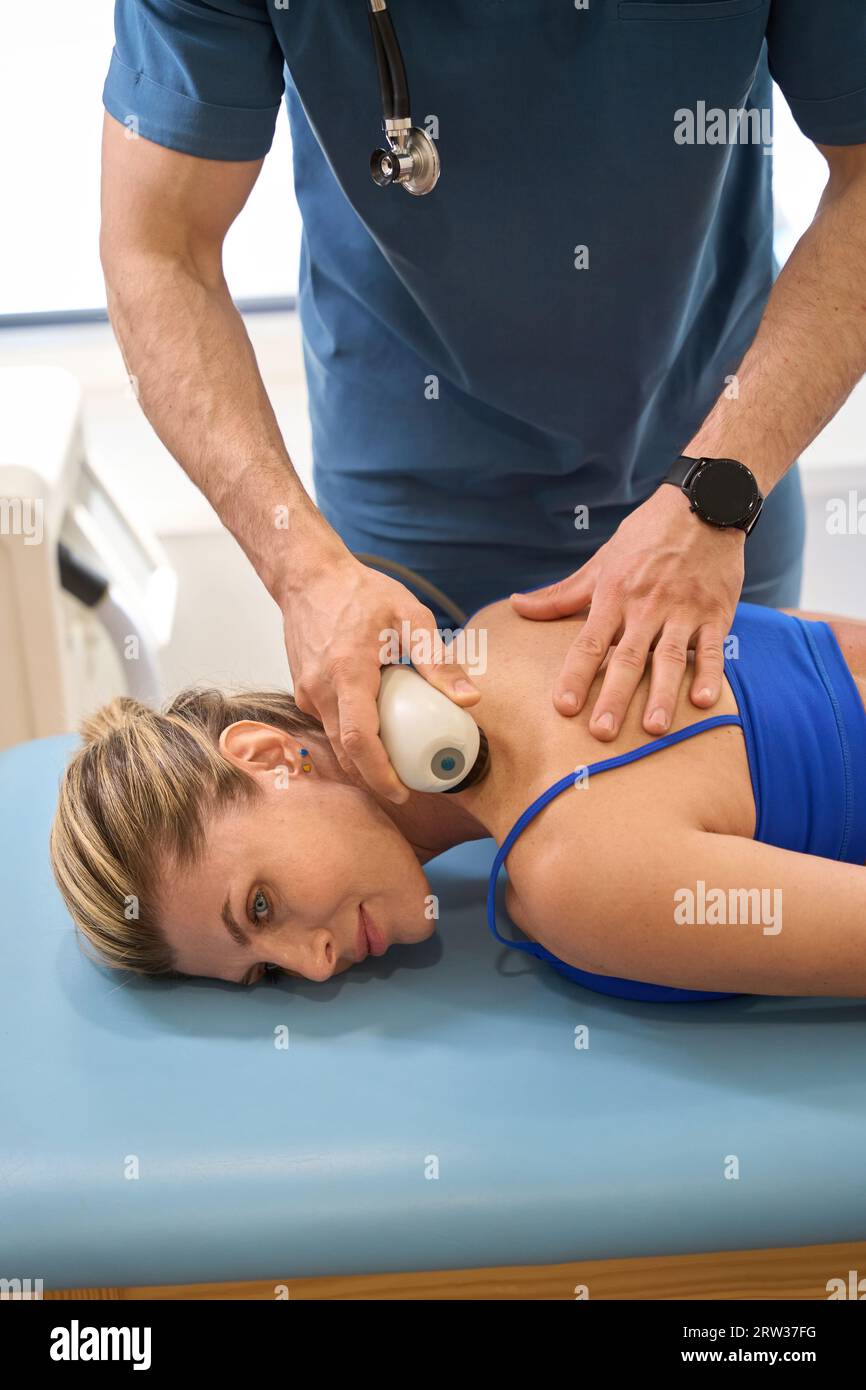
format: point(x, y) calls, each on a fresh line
point(604, 765)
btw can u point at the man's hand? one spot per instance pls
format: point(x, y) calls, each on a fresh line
point(665, 579)
point(336, 624)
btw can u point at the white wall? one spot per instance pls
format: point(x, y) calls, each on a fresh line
point(54, 55)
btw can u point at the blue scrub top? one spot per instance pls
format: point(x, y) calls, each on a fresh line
point(469, 386)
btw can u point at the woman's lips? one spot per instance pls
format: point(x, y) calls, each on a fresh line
point(370, 939)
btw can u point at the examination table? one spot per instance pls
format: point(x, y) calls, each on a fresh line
point(438, 1109)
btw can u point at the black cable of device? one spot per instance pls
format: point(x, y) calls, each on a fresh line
point(431, 591)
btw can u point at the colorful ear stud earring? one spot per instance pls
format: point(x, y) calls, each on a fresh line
point(307, 766)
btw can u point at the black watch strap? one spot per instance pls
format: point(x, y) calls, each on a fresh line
point(679, 471)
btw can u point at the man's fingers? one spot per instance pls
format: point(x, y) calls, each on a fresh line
point(709, 665)
point(325, 710)
point(359, 739)
point(447, 675)
point(560, 600)
point(624, 672)
point(668, 663)
point(583, 659)
point(350, 718)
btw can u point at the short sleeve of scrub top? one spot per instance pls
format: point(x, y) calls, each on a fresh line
point(817, 55)
point(202, 78)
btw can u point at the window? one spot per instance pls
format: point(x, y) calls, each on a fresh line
point(799, 175)
point(54, 55)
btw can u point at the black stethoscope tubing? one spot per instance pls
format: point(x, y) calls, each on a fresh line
point(392, 70)
point(411, 158)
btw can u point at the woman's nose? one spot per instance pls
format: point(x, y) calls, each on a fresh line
point(314, 957)
point(323, 957)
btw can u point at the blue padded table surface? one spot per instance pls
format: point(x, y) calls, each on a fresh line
point(431, 1109)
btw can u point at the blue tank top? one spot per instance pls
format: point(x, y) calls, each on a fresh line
point(804, 727)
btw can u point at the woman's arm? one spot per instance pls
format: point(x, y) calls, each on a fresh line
point(699, 910)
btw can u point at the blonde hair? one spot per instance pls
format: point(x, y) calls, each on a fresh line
point(136, 795)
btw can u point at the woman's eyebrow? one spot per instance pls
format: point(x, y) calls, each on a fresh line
point(235, 931)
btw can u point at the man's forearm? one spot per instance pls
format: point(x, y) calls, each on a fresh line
point(185, 345)
point(810, 348)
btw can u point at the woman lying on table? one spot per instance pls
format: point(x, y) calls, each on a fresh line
point(223, 838)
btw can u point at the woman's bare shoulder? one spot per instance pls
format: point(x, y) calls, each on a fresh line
point(516, 635)
point(497, 613)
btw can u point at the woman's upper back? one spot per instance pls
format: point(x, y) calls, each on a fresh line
point(532, 744)
point(787, 777)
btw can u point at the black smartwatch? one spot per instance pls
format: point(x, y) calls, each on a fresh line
point(723, 492)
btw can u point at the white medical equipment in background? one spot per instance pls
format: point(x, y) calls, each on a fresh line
point(87, 596)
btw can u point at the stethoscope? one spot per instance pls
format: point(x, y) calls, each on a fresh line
point(412, 159)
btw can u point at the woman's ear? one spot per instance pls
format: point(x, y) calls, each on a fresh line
point(254, 747)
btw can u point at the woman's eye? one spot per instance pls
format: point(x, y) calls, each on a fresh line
point(260, 906)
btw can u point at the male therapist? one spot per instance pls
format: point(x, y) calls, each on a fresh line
point(514, 378)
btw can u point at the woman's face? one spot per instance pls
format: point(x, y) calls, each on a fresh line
point(284, 876)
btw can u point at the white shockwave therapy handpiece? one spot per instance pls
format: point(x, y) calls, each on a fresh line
point(433, 744)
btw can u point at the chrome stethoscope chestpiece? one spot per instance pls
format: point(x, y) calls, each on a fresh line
point(411, 159)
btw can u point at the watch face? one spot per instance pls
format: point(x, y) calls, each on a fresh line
point(724, 492)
